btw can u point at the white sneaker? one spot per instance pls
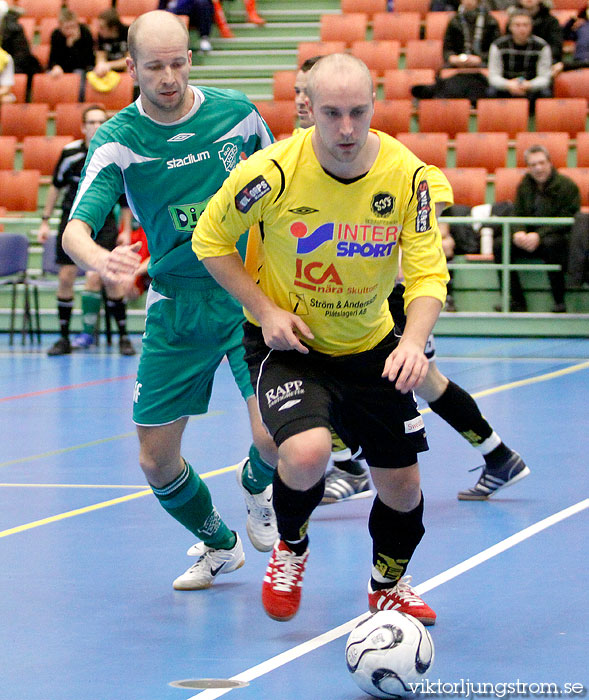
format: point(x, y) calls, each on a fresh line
point(261, 520)
point(210, 563)
point(205, 45)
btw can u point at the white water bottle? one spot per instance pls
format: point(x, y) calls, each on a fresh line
point(486, 240)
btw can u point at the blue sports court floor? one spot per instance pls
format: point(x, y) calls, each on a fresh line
point(87, 609)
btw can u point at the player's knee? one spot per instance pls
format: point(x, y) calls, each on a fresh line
point(399, 489)
point(307, 453)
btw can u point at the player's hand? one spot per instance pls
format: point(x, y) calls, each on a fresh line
point(282, 330)
point(407, 366)
point(120, 264)
point(43, 232)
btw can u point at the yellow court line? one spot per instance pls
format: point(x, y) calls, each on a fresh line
point(98, 506)
point(525, 382)
point(75, 486)
point(123, 499)
point(102, 441)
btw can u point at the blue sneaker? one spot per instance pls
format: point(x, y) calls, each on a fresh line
point(494, 480)
point(82, 341)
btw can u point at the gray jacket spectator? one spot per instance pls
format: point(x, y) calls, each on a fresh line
point(519, 62)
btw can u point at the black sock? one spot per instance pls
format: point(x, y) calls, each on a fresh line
point(64, 312)
point(497, 457)
point(460, 410)
point(118, 310)
point(350, 466)
point(293, 510)
point(395, 536)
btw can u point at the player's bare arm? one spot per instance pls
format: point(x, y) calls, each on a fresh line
point(281, 329)
point(115, 266)
point(407, 364)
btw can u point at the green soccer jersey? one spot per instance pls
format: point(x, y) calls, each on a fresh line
point(168, 172)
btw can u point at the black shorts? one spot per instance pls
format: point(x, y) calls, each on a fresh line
point(106, 238)
point(297, 392)
point(397, 309)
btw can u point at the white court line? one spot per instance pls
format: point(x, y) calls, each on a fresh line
point(454, 571)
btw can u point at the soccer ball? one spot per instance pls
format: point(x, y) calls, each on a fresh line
point(388, 652)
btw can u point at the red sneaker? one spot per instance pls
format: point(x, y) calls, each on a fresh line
point(402, 598)
point(282, 587)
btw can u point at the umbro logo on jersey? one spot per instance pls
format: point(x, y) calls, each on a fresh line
point(301, 211)
point(180, 137)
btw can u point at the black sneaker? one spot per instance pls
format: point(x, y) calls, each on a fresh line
point(126, 346)
point(60, 347)
point(494, 480)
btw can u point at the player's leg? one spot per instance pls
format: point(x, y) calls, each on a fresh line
point(503, 466)
point(65, 305)
point(186, 497)
point(174, 380)
point(296, 413)
point(252, 15)
point(298, 488)
point(347, 479)
point(391, 432)
point(91, 303)
point(396, 527)
point(117, 307)
point(255, 473)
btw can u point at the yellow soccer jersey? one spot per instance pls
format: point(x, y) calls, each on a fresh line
point(439, 187)
point(329, 249)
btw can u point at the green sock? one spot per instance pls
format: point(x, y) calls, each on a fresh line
point(188, 500)
point(91, 302)
point(258, 474)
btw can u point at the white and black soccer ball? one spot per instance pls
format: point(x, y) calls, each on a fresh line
point(389, 653)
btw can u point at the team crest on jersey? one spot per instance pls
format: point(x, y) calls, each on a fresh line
point(180, 137)
point(229, 155)
point(185, 216)
point(382, 204)
point(422, 222)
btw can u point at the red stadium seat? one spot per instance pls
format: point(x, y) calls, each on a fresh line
point(19, 189)
point(468, 184)
point(481, 150)
point(451, 116)
point(392, 116)
point(431, 147)
point(556, 142)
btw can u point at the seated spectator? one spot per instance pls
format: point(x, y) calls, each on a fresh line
point(111, 44)
point(519, 62)
point(6, 77)
point(546, 26)
point(542, 192)
point(200, 14)
point(577, 30)
point(14, 41)
point(72, 46)
point(469, 35)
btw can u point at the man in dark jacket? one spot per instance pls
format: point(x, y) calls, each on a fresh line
point(469, 35)
point(546, 26)
point(542, 192)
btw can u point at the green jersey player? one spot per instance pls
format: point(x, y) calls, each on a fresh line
point(169, 152)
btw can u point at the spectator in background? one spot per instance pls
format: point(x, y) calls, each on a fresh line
point(72, 48)
point(469, 35)
point(546, 26)
point(577, 30)
point(519, 62)
point(66, 177)
point(200, 13)
point(6, 77)
point(542, 192)
point(14, 41)
point(111, 44)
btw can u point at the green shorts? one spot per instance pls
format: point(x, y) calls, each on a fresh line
point(188, 332)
